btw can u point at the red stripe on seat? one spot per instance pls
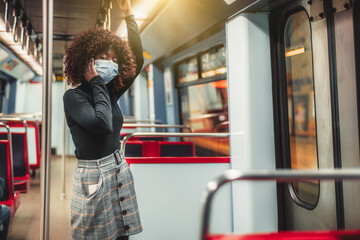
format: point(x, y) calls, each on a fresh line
point(176, 160)
point(309, 235)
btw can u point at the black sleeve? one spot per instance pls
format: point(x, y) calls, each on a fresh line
point(136, 47)
point(97, 118)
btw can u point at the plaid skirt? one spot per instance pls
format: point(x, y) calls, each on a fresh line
point(103, 201)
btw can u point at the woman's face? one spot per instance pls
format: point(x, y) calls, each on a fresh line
point(109, 55)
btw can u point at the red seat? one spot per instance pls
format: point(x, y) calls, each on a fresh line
point(308, 235)
point(10, 197)
point(36, 125)
point(20, 161)
point(13, 203)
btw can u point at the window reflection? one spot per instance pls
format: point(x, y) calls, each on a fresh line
point(301, 103)
point(204, 107)
point(213, 62)
point(188, 70)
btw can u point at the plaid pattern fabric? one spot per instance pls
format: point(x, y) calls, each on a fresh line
point(103, 201)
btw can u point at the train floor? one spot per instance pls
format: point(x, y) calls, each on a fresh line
point(26, 222)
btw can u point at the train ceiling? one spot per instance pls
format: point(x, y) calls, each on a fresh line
point(169, 25)
point(183, 21)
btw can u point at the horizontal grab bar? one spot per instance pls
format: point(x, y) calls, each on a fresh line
point(24, 117)
point(282, 175)
point(23, 121)
point(138, 125)
point(25, 113)
point(11, 119)
point(129, 120)
point(143, 134)
point(210, 115)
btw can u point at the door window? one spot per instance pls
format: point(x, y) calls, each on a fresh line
point(301, 104)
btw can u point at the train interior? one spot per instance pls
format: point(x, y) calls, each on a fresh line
point(259, 94)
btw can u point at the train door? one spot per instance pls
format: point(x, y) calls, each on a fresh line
point(315, 109)
point(346, 34)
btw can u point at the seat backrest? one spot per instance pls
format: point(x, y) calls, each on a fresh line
point(19, 155)
point(151, 139)
point(176, 149)
point(133, 149)
point(4, 171)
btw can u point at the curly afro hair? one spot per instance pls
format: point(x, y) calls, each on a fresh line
point(91, 43)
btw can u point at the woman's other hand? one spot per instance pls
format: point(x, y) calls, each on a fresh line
point(90, 70)
point(125, 7)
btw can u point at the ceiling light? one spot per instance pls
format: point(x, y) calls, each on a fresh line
point(228, 2)
point(294, 52)
point(142, 9)
point(146, 55)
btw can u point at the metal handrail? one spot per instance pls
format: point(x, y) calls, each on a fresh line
point(13, 119)
point(21, 115)
point(131, 125)
point(209, 115)
point(220, 125)
point(144, 134)
point(24, 121)
point(11, 153)
point(281, 175)
point(26, 113)
point(142, 121)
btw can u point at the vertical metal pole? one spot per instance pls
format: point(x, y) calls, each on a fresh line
point(63, 165)
point(46, 118)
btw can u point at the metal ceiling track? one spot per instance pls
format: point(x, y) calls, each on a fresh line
point(28, 35)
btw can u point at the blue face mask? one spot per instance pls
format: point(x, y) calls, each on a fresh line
point(107, 69)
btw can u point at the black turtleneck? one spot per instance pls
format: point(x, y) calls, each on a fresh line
point(92, 112)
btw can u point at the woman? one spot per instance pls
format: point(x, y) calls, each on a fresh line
point(102, 66)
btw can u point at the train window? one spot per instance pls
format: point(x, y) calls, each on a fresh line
point(202, 85)
point(188, 70)
point(202, 99)
point(213, 62)
point(301, 105)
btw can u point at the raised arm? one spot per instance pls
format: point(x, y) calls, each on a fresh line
point(135, 45)
point(135, 41)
